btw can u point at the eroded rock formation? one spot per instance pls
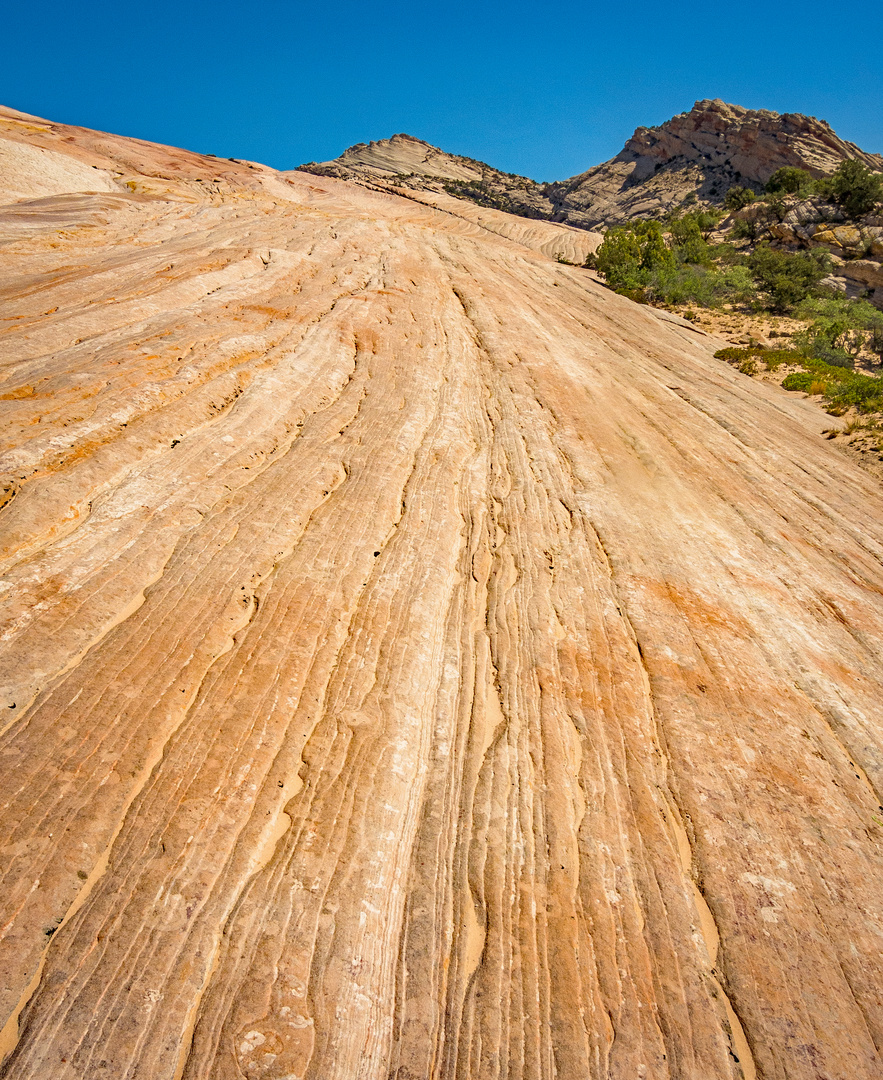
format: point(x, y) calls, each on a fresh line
point(700, 154)
point(405, 163)
point(418, 662)
point(697, 155)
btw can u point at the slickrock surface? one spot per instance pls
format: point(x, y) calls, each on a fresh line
point(418, 662)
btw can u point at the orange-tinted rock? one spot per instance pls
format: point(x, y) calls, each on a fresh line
point(418, 661)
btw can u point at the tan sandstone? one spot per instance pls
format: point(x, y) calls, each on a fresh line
point(695, 156)
point(418, 662)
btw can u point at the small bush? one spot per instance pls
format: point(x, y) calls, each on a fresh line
point(688, 242)
point(855, 188)
point(682, 285)
point(762, 213)
point(774, 358)
point(639, 295)
point(707, 220)
point(735, 285)
point(629, 254)
point(786, 279)
point(833, 357)
point(746, 229)
point(841, 387)
point(839, 328)
point(619, 259)
point(791, 181)
point(774, 208)
point(732, 352)
point(737, 198)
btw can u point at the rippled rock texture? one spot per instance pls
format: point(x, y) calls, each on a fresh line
point(418, 663)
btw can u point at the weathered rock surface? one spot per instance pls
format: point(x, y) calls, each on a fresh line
point(418, 662)
point(701, 154)
point(696, 155)
point(813, 223)
point(410, 163)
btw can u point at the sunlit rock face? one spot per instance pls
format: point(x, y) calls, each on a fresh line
point(417, 661)
point(699, 155)
point(692, 159)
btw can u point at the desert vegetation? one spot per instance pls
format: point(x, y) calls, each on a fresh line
point(672, 262)
point(760, 261)
point(698, 257)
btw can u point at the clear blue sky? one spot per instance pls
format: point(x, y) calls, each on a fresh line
point(543, 89)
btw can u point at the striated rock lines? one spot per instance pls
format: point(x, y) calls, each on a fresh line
point(418, 662)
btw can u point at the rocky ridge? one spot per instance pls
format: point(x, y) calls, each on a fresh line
point(697, 155)
point(417, 660)
point(404, 162)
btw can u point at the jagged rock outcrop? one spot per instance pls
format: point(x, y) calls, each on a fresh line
point(417, 661)
point(855, 247)
point(697, 155)
point(701, 154)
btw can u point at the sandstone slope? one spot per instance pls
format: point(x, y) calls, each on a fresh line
point(418, 662)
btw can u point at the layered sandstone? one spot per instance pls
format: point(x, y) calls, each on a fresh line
point(418, 661)
point(700, 154)
point(414, 165)
point(695, 156)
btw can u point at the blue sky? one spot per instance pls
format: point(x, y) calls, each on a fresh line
point(542, 89)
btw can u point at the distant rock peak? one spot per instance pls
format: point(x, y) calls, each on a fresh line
point(697, 154)
point(760, 140)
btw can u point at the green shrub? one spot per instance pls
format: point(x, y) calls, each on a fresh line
point(706, 286)
point(746, 229)
point(707, 220)
point(839, 328)
point(786, 278)
point(774, 358)
point(629, 253)
point(855, 188)
point(688, 243)
point(835, 357)
point(774, 207)
point(654, 252)
point(737, 198)
point(791, 181)
point(683, 285)
point(842, 388)
point(619, 259)
point(733, 352)
point(735, 285)
point(639, 295)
